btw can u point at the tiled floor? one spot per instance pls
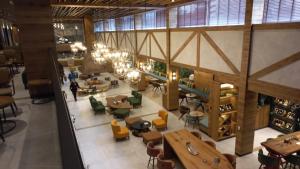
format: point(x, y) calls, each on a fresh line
point(33, 144)
point(100, 150)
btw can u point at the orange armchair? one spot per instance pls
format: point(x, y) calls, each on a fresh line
point(118, 131)
point(161, 123)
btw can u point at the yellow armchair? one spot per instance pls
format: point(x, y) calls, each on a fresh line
point(161, 123)
point(118, 131)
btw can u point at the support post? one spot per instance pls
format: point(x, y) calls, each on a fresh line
point(171, 95)
point(247, 100)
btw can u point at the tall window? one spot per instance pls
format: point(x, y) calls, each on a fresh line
point(126, 23)
point(276, 11)
point(208, 12)
point(151, 20)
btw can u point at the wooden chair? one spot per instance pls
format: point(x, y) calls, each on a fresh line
point(210, 143)
point(152, 152)
point(232, 159)
point(183, 110)
point(163, 163)
point(267, 162)
point(292, 161)
point(197, 134)
point(182, 96)
point(156, 86)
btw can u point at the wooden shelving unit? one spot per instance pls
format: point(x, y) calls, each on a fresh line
point(283, 117)
point(224, 112)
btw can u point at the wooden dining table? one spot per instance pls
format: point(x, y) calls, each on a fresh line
point(175, 145)
point(280, 147)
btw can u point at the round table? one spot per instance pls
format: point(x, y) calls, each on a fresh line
point(140, 127)
point(196, 113)
point(190, 95)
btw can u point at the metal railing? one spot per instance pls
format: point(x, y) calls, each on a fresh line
point(70, 153)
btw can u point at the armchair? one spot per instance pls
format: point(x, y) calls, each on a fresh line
point(118, 131)
point(161, 123)
point(96, 105)
point(136, 100)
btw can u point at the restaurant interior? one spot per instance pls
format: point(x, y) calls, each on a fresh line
point(165, 84)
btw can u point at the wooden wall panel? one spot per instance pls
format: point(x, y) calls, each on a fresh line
point(32, 24)
point(230, 42)
point(210, 59)
point(270, 46)
point(188, 55)
point(287, 76)
point(177, 39)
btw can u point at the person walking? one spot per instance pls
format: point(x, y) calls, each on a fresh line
point(74, 87)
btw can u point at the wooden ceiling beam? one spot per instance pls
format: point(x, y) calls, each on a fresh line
point(103, 6)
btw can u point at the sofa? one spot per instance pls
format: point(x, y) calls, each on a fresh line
point(97, 105)
point(136, 100)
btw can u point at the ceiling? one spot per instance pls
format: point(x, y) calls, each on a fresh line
point(105, 9)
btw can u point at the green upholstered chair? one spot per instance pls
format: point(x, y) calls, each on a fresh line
point(96, 105)
point(136, 100)
point(121, 113)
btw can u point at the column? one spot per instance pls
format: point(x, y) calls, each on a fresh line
point(247, 100)
point(34, 20)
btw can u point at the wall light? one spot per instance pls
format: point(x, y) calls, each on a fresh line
point(226, 85)
point(174, 76)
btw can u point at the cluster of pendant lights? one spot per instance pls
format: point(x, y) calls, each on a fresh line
point(120, 59)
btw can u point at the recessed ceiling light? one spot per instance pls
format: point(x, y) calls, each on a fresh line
point(173, 0)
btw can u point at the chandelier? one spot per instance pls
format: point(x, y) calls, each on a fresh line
point(101, 54)
point(134, 75)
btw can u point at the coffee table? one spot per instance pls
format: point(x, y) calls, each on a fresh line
point(140, 127)
point(118, 102)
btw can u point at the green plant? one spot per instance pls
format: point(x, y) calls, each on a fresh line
point(185, 73)
point(160, 67)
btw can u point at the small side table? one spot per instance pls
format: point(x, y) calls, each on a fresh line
point(190, 96)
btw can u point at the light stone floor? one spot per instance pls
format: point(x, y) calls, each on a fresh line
point(34, 143)
point(100, 151)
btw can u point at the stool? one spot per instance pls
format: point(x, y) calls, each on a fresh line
point(154, 136)
point(121, 113)
point(131, 120)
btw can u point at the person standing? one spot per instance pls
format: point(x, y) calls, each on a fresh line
point(74, 87)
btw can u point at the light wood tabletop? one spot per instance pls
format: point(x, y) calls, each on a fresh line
point(196, 113)
point(175, 145)
point(280, 147)
point(118, 102)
